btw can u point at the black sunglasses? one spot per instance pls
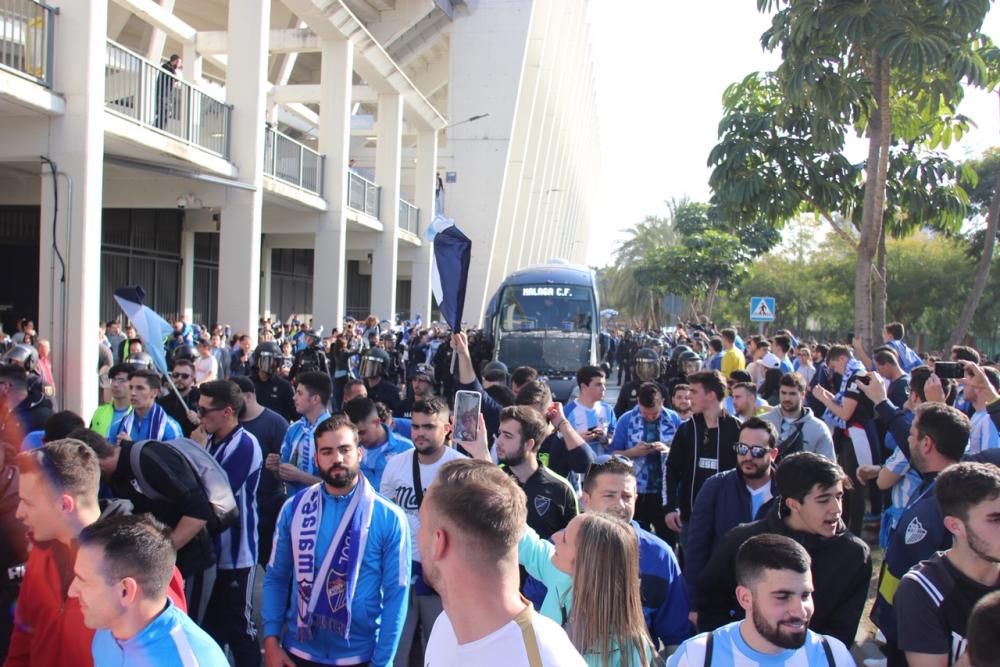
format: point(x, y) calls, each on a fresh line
point(202, 410)
point(180, 376)
point(755, 451)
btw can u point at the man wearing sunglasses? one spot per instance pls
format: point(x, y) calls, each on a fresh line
point(228, 618)
point(730, 498)
point(810, 510)
point(184, 413)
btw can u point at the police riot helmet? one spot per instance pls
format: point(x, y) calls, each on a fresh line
point(688, 363)
point(647, 364)
point(186, 352)
point(678, 351)
point(313, 338)
point(140, 361)
point(22, 355)
point(373, 363)
point(267, 357)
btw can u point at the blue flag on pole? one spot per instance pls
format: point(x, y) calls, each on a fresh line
point(152, 329)
point(450, 275)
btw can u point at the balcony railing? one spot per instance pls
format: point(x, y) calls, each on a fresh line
point(292, 162)
point(155, 98)
point(26, 28)
point(363, 195)
point(409, 217)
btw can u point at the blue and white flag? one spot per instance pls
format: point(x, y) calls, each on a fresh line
point(152, 329)
point(450, 271)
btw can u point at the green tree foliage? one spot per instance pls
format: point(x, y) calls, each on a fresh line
point(928, 275)
point(893, 72)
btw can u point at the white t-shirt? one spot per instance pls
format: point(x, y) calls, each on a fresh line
point(502, 648)
point(205, 367)
point(397, 485)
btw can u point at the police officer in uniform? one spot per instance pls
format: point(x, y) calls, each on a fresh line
point(372, 371)
point(311, 358)
point(683, 362)
point(272, 390)
point(35, 409)
point(646, 368)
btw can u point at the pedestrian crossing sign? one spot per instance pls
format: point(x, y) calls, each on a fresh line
point(762, 309)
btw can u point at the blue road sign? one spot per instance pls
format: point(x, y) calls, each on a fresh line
point(762, 309)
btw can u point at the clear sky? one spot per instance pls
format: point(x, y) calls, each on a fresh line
point(661, 68)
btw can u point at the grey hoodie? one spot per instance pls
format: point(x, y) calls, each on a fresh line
point(815, 434)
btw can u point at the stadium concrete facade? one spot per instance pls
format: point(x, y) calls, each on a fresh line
point(290, 165)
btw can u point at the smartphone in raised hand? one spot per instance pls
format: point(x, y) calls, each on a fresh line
point(468, 405)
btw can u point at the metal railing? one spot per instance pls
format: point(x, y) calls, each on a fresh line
point(409, 216)
point(26, 28)
point(292, 162)
point(155, 98)
point(363, 195)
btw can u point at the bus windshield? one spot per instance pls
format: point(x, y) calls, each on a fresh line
point(566, 308)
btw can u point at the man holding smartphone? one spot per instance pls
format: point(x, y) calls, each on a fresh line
point(592, 418)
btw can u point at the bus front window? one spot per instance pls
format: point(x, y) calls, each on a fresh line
point(547, 308)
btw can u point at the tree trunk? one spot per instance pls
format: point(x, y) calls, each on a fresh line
point(880, 288)
point(710, 299)
point(879, 135)
point(982, 272)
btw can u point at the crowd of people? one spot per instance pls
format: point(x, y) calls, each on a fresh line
point(310, 501)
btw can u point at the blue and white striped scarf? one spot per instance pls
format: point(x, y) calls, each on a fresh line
point(157, 424)
point(853, 366)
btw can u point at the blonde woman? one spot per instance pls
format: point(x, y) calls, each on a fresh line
point(592, 573)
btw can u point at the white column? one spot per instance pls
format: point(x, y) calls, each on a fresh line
point(191, 72)
point(420, 285)
point(187, 275)
point(68, 313)
point(388, 157)
point(330, 256)
point(239, 244)
point(265, 281)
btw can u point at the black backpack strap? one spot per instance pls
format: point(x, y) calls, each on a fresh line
point(134, 463)
point(709, 645)
point(418, 488)
point(829, 652)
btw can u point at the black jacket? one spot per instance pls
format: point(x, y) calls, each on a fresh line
point(173, 407)
point(277, 394)
point(841, 570)
point(171, 475)
point(692, 459)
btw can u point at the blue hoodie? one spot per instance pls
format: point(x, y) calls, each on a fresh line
point(380, 598)
point(664, 595)
point(376, 458)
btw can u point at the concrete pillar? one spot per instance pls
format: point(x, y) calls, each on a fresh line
point(192, 64)
point(68, 312)
point(187, 275)
point(239, 244)
point(265, 281)
point(420, 286)
point(330, 257)
point(158, 38)
point(388, 158)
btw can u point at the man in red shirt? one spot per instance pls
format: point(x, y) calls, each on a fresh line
point(58, 499)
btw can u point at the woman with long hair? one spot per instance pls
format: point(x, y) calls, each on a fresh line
point(592, 576)
point(770, 391)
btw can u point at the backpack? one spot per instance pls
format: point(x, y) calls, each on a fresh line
point(213, 478)
point(793, 443)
